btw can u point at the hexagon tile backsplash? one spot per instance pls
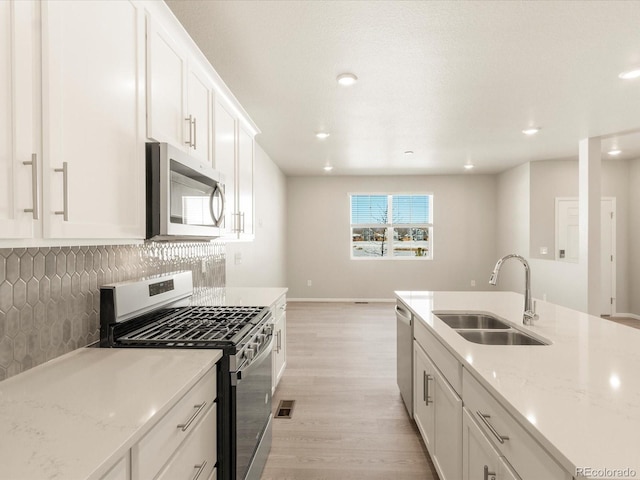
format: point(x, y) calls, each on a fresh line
point(50, 297)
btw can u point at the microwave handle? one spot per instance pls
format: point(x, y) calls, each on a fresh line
point(217, 220)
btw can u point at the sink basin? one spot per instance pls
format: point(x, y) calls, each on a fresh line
point(509, 337)
point(472, 320)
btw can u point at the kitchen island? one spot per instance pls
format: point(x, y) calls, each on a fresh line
point(578, 396)
point(76, 416)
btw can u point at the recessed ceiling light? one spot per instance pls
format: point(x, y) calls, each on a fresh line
point(347, 79)
point(531, 130)
point(468, 166)
point(322, 135)
point(327, 168)
point(614, 152)
point(408, 153)
point(630, 74)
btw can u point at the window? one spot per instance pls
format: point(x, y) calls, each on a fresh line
point(391, 226)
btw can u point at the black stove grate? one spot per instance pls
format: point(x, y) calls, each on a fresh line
point(195, 325)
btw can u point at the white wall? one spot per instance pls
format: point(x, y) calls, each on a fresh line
point(263, 260)
point(318, 237)
point(634, 237)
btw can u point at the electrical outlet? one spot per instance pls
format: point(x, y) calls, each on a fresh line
point(309, 283)
point(237, 258)
point(544, 250)
point(473, 283)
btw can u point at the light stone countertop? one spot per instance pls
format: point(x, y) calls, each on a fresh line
point(239, 296)
point(579, 397)
point(75, 416)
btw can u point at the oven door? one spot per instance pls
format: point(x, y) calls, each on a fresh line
point(253, 415)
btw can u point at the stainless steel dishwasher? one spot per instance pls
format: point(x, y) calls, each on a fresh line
point(404, 373)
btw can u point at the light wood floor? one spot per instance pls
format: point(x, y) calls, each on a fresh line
point(629, 322)
point(349, 421)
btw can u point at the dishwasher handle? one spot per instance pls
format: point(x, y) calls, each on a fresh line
point(401, 315)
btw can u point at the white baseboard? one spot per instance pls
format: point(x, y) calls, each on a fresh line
point(344, 300)
point(627, 315)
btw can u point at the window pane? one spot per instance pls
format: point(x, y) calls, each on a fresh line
point(369, 242)
point(411, 242)
point(367, 209)
point(411, 209)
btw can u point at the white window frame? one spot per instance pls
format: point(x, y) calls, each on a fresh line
point(389, 226)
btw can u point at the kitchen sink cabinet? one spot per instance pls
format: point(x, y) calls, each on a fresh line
point(280, 339)
point(121, 470)
point(19, 148)
point(438, 414)
point(179, 95)
point(234, 159)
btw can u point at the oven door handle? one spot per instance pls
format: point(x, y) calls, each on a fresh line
point(252, 365)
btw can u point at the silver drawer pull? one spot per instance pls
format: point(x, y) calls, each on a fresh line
point(189, 119)
point(428, 400)
point(200, 469)
point(34, 185)
point(65, 191)
point(483, 417)
point(488, 474)
point(185, 426)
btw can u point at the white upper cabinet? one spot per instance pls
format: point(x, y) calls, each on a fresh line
point(19, 147)
point(245, 184)
point(225, 161)
point(166, 88)
point(93, 145)
point(179, 95)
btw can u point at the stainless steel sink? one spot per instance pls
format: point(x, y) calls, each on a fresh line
point(472, 320)
point(509, 337)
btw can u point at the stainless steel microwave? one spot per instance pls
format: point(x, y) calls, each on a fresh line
point(184, 197)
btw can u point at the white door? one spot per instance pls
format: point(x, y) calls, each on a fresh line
point(18, 181)
point(167, 120)
point(225, 162)
point(199, 93)
point(423, 396)
point(93, 143)
point(448, 428)
point(567, 230)
point(607, 259)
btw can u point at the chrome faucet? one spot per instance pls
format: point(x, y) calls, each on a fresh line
point(529, 307)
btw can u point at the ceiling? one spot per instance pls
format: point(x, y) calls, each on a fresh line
point(455, 82)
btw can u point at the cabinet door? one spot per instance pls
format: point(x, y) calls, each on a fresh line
point(92, 104)
point(479, 458)
point(225, 162)
point(279, 348)
point(167, 120)
point(245, 184)
point(448, 428)
point(423, 409)
point(18, 182)
point(199, 93)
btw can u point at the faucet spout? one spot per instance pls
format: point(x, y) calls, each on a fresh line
point(529, 309)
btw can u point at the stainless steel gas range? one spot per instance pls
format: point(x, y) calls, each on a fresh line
point(156, 313)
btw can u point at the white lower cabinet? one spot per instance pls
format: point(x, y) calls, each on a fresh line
point(280, 341)
point(480, 460)
point(121, 470)
point(438, 414)
point(183, 443)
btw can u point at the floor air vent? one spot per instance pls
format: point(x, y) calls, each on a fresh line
point(285, 408)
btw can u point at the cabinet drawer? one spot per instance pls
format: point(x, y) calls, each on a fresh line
point(521, 450)
point(446, 362)
point(155, 448)
point(196, 457)
point(280, 308)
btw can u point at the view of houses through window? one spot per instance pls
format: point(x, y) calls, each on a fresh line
point(391, 226)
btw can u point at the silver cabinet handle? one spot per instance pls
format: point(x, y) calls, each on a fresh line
point(200, 469)
point(65, 191)
point(488, 474)
point(34, 185)
point(484, 418)
point(279, 341)
point(424, 386)
point(199, 408)
point(195, 131)
point(190, 120)
point(236, 222)
point(428, 399)
point(242, 222)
